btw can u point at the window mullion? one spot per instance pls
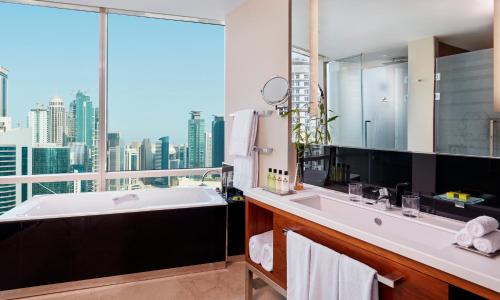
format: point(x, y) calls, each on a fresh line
point(103, 99)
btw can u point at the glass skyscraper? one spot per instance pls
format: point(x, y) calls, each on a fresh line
point(217, 141)
point(196, 140)
point(51, 160)
point(84, 119)
point(3, 91)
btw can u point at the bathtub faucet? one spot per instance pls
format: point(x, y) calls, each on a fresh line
point(205, 175)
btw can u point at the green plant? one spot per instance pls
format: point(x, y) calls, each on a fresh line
point(304, 135)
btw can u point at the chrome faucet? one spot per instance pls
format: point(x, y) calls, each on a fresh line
point(205, 175)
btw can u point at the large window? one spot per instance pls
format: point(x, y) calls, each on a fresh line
point(166, 91)
point(164, 101)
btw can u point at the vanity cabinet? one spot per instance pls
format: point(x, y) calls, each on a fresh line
point(412, 280)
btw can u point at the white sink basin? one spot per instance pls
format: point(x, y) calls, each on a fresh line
point(427, 231)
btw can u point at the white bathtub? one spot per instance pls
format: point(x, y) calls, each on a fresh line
point(70, 205)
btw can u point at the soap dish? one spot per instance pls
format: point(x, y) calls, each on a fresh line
point(290, 192)
point(474, 250)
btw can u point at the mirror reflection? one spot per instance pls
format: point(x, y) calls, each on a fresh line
point(425, 85)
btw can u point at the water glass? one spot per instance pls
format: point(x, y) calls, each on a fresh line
point(411, 205)
point(355, 192)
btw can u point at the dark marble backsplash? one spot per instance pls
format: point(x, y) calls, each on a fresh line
point(429, 175)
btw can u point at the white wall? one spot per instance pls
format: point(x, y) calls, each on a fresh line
point(421, 66)
point(257, 48)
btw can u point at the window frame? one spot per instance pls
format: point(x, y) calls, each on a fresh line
point(102, 175)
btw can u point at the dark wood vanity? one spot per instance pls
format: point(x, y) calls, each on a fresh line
point(400, 277)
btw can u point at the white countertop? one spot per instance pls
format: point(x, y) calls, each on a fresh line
point(431, 245)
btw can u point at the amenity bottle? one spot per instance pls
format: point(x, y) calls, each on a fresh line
point(269, 178)
point(285, 183)
point(279, 181)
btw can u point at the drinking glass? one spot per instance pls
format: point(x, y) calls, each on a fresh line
point(355, 192)
point(411, 205)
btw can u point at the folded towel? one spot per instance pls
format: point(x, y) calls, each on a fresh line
point(489, 243)
point(255, 245)
point(243, 133)
point(298, 253)
point(481, 226)
point(324, 270)
point(246, 169)
point(464, 238)
point(356, 280)
point(266, 259)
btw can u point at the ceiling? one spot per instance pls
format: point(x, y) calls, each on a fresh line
point(207, 9)
point(351, 27)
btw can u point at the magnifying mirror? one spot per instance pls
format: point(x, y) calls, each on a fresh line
point(276, 91)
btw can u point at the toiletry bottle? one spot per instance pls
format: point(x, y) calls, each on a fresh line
point(279, 181)
point(285, 183)
point(273, 180)
point(269, 178)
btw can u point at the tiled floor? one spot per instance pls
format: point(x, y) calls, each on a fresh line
point(218, 285)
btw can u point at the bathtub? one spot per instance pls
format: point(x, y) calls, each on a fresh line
point(71, 205)
point(53, 239)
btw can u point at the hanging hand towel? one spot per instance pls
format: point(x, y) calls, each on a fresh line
point(324, 270)
point(298, 253)
point(356, 280)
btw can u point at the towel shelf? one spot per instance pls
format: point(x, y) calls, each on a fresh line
point(391, 280)
point(260, 113)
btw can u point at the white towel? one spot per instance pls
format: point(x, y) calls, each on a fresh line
point(246, 170)
point(298, 254)
point(463, 238)
point(489, 243)
point(255, 245)
point(324, 279)
point(246, 161)
point(356, 280)
point(267, 257)
point(243, 133)
point(481, 226)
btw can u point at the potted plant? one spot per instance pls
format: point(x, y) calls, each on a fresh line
point(306, 135)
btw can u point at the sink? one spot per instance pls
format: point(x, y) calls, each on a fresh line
point(427, 231)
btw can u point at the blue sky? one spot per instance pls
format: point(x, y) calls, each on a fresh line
point(158, 70)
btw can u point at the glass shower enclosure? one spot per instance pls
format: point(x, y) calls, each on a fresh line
point(465, 123)
point(371, 102)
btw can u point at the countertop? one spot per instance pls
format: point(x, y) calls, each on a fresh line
point(441, 255)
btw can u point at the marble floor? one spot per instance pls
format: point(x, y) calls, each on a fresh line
point(217, 285)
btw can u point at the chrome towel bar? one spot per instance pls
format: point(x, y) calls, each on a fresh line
point(391, 280)
point(260, 113)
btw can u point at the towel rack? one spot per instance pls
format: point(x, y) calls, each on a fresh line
point(391, 280)
point(262, 150)
point(260, 113)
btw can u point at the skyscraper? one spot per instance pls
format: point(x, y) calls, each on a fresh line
point(208, 149)
point(84, 119)
point(56, 121)
point(196, 140)
point(182, 154)
point(15, 159)
point(131, 159)
point(3, 91)
point(38, 120)
point(114, 159)
point(147, 159)
point(217, 141)
point(69, 131)
point(51, 160)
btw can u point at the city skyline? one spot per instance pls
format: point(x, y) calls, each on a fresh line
point(62, 58)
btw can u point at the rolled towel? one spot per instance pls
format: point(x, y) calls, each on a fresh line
point(464, 238)
point(481, 226)
point(255, 245)
point(267, 257)
point(489, 243)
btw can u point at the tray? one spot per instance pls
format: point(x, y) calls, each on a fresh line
point(290, 192)
point(472, 249)
point(459, 203)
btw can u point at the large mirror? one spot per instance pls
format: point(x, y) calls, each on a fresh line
point(402, 75)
